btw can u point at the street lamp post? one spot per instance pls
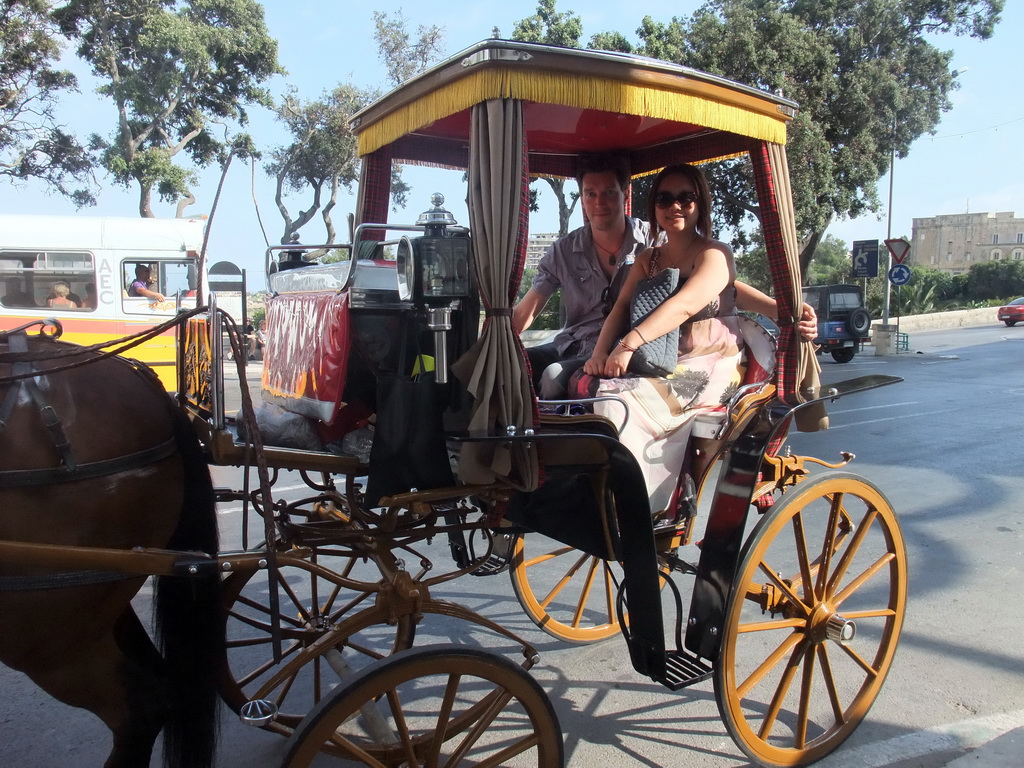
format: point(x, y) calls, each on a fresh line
point(888, 229)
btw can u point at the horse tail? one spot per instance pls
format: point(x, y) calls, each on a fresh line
point(189, 623)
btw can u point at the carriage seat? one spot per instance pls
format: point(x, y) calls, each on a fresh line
point(760, 360)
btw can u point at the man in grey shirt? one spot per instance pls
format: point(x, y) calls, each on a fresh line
point(584, 264)
point(589, 264)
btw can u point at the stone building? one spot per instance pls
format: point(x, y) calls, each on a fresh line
point(953, 242)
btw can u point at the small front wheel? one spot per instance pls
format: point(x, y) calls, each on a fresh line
point(446, 705)
point(813, 620)
point(1010, 323)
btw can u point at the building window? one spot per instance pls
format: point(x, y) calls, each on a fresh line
point(1020, 237)
point(996, 254)
point(995, 238)
point(1018, 255)
point(967, 256)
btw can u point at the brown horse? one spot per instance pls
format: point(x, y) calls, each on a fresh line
point(98, 455)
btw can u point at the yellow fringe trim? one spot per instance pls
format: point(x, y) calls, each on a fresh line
point(702, 103)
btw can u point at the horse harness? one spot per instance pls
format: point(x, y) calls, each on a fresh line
point(69, 469)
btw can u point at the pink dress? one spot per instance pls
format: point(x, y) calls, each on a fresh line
point(708, 371)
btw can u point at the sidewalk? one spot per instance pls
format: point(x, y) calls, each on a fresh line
point(1006, 751)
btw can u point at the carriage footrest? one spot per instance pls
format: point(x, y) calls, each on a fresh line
point(682, 669)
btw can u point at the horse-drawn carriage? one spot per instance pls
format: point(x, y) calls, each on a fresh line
point(799, 583)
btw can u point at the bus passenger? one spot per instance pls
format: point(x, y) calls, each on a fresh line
point(90, 301)
point(140, 286)
point(60, 298)
point(710, 352)
point(16, 295)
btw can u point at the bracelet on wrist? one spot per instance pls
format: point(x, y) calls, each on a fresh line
point(642, 339)
point(625, 346)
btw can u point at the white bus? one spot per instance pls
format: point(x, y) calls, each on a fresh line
point(80, 270)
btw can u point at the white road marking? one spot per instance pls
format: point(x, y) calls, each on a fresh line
point(966, 734)
point(893, 418)
point(875, 407)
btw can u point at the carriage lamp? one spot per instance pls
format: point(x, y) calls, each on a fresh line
point(434, 270)
point(434, 273)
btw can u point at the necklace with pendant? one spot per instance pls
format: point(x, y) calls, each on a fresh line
point(612, 255)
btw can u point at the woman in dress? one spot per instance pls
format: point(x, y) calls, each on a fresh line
point(709, 363)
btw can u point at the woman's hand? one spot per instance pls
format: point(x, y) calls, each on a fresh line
point(807, 325)
point(617, 363)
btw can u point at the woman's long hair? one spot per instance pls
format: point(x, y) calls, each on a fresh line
point(700, 184)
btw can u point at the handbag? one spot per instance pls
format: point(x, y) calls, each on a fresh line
point(657, 357)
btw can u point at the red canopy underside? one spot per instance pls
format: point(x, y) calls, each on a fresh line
point(557, 134)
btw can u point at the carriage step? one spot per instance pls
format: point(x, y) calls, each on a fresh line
point(682, 669)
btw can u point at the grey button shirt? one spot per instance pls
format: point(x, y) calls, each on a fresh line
point(570, 264)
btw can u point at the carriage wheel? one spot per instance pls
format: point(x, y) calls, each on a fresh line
point(312, 605)
point(813, 620)
point(434, 706)
point(567, 593)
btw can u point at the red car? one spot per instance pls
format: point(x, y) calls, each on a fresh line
point(1013, 312)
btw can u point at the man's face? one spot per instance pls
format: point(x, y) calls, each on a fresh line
point(603, 201)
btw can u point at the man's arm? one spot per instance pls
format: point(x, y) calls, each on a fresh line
point(526, 311)
point(149, 294)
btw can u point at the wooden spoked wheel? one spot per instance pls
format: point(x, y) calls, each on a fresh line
point(567, 593)
point(813, 621)
point(314, 603)
point(436, 706)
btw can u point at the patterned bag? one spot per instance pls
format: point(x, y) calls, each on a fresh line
point(658, 356)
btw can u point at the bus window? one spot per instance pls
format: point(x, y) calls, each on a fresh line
point(60, 279)
point(153, 286)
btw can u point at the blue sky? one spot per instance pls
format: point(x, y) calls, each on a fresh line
point(974, 162)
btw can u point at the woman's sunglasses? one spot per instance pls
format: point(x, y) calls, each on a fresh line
point(667, 199)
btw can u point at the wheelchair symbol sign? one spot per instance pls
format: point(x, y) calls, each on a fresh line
point(899, 275)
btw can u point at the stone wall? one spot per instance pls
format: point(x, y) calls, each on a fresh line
point(959, 318)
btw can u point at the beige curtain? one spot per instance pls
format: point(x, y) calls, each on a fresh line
point(812, 418)
point(493, 371)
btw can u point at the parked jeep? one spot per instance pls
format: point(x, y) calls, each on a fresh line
point(843, 322)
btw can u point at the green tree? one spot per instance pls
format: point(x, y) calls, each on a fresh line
point(403, 56)
point(830, 264)
point(552, 28)
point(32, 144)
point(172, 68)
point(866, 73)
point(995, 280)
point(321, 157)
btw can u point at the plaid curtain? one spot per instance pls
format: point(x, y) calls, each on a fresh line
point(797, 364)
point(374, 190)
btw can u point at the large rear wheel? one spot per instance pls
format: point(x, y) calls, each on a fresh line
point(567, 593)
point(440, 706)
point(813, 620)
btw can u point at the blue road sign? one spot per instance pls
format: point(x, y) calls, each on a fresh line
point(865, 258)
point(899, 275)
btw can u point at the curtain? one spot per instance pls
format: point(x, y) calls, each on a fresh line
point(494, 370)
point(798, 366)
point(374, 190)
